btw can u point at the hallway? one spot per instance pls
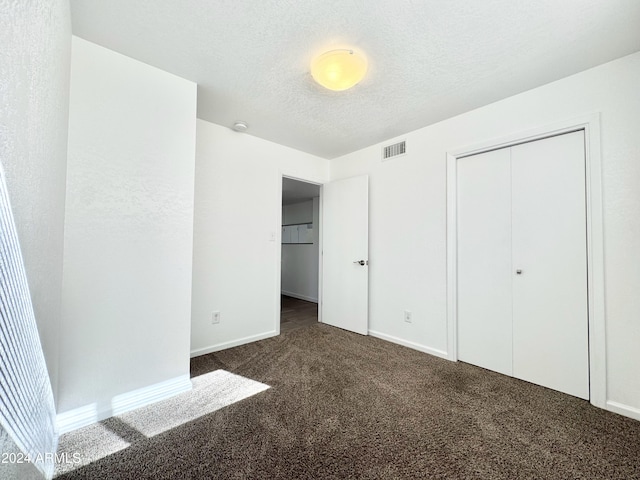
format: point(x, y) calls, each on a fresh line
point(295, 313)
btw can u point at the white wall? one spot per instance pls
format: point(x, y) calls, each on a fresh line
point(35, 44)
point(236, 259)
point(128, 228)
point(408, 211)
point(300, 261)
point(35, 47)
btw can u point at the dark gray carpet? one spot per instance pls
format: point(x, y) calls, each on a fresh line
point(346, 406)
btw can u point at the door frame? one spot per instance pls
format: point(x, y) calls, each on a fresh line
point(278, 239)
point(590, 124)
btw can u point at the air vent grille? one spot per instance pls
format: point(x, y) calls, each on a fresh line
point(394, 150)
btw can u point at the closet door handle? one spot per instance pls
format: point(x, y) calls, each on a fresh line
point(518, 272)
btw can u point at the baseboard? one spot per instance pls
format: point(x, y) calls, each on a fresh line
point(623, 409)
point(232, 343)
point(407, 343)
point(83, 416)
point(300, 297)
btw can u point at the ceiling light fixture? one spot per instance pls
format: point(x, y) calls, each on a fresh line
point(339, 69)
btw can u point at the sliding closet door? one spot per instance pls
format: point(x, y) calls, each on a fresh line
point(550, 325)
point(484, 260)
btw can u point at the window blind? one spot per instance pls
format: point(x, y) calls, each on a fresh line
point(27, 411)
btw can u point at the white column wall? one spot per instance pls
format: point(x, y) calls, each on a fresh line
point(128, 229)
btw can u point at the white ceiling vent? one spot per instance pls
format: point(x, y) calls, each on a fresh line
point(394, 150)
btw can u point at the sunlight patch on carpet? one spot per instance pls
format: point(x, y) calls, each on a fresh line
point(86, 445)
point(212, 391)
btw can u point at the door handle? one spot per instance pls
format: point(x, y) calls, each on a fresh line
point(518, 272)
point(362, 262)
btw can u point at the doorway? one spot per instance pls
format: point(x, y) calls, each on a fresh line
point(300, 254)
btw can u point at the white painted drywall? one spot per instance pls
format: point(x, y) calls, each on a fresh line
point(128, 228)
point(238, 212)
point(300, 261)
point(35, 46)
point(408, 212)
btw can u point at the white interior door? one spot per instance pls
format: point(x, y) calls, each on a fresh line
point(345, 256)
point(550, 319)
point(484, 260)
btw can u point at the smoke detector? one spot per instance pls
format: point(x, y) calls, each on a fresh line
point(240, 126)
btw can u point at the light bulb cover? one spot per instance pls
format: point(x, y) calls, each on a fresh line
point(339, 69)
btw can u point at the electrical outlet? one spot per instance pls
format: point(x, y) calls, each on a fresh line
point(215, 318)
point(407, 316)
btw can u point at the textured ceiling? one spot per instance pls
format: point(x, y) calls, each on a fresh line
point(428, 59)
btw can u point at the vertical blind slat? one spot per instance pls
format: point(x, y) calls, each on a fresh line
point(27, 410)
